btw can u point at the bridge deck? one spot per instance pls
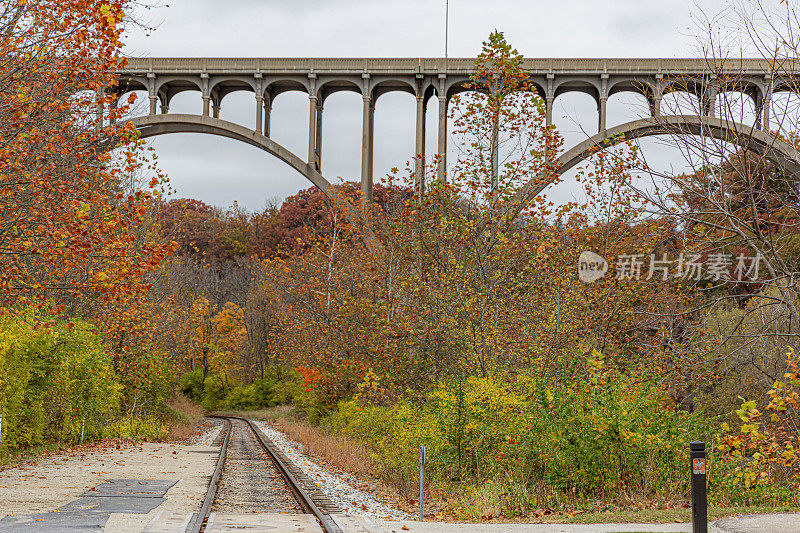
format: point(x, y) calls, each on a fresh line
point(440, 65)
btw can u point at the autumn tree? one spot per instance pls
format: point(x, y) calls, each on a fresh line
point(734, 208)
point(76, 223)
point(189, 222)
point(69, 224)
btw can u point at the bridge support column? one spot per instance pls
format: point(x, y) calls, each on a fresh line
point(708, 100)
point(655, 105)
point(164, 109)
point(419, 152)
point(371, 143)
point(654, 95)
point(548, 113)
point(205, 93)
point(601, 115)
point(366, 148)
point(441, 171)
point(708, 107)
point(151, 93)
point(216, 110)
point(766, 103)
point(318, 140)
point(259, 113)
point(312, 132)
point(601, 103)
point(267, 113)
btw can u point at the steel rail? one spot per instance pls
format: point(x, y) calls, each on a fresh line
point(301, 495)
point(199, 520)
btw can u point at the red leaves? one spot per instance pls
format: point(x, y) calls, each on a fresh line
point(311, 377)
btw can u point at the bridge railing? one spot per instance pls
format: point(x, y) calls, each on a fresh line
point(250, 65)
point(434, 65)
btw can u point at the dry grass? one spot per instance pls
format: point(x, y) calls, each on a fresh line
point(187, 417)
point(335, 449)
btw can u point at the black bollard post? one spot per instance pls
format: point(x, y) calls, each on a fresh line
point(697, 456)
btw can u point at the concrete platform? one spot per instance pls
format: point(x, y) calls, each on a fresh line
point(356, 524)
point(105, 488)
point(92, 510)
point(169, 522)
point(765, 523)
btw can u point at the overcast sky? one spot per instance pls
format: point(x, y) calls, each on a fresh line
point(221, 171)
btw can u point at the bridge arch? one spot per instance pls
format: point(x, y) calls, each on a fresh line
point(764, 144)
point(386, 85)
point(632, 84)
point(334, 85)
point(229, 84)
point(737, 103)
point(453, 88)
point(577, 84)
point(155, 125)
point(131, 83)
point(175, 84)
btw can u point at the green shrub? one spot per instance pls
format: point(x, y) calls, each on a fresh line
point(599, 437)
point(279, 386)
point(213, 393)
point(598, 441)
point(254, 396)
point(288, 385)
point(210, 393)
point(52, 376)
point(191, 384)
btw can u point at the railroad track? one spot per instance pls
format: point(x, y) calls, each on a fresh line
point(252, 475)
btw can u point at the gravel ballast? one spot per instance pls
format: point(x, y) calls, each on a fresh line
point(352, 500)
point(207, 437)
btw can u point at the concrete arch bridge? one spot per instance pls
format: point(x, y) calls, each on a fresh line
point(425, 78)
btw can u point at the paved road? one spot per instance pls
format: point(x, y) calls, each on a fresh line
point(775, 523)
point(770, 523)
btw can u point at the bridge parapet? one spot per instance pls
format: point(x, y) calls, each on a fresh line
point(440, 65)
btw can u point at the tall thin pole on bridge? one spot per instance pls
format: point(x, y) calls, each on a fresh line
point(446, 25)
